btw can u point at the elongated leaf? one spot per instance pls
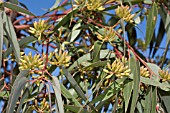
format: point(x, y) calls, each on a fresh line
point(18, 85)
point(86, 57)
point(24, 96)
point(132, 35)
point(135, 69)
point(17, 8)
point(22, 43)
point(166, 20)
point(96, 51)
point(127, 90)
point(96, 64)
point(151, 22)
point(49, 96)
point(57, 91)
point(75, 32)
point(165, 98)
point(109, 92)
point(74, 84)
point(68, 95)
point(148, 1)
point(147, 108)
point(12, 37)
point(65, 19)
point(1, 37)
point(29, 110)
point(164, 86)
point(155, 69)
point(76, 109)
point(57, 2)
point(159, 38)
point(154, 99)
point(14, 1)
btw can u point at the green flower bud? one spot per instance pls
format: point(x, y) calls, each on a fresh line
point(117, 68)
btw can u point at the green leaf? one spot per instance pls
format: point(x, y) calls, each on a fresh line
point(14, 1)
point(25, 95)
point(12, 37)
point(159, 38)
point(18, 85)
point(166, 20)
point(85, 58)
point(68, 95)
point(17, 8)
point(57, 91)
point(164, 86)
point(127, 90)
point(96, 51)
point(151, 22)
point(135, 69)
point(49, 96)
point(4, 94)
point(75, 32)
point(74, 84)
point(155, 69)
point(109, 92)
point(132, 35)
point(148, 1)
point(147, 108)
point(76, 109)
point(57, 2)
point(29, 110)
point(1, 37)
point(22, 43)
point(154, 99)
point(165, 98)
point(65, 19)
point(96, 64)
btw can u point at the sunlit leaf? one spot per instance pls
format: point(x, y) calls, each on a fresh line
point(74, 83)
point(96, 51)
point(68, 95)
point(75, 32)
point(12, 37)
point(135, 69)
point(147, 108)
point(57, 2)
point(24, 96)
point(19, 84)
point(1, 37)
point(17, 8)
point(151, 22)
point(127, 90)
point(14, 1)
point(57, 91)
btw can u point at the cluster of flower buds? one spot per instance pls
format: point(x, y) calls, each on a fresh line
point(92, 5)
point(42, 107)
point(165, 75)
point(31, 62)
point(108, 35)
point(39, 79)
point(40, 29)
point(119, 68)
point(144, 72)
point(124, 13)
point(95, 5)
point(60, 59)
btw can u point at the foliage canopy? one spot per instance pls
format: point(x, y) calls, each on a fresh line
point(85, 56)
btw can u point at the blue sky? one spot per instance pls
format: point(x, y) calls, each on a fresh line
point(38, 7)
